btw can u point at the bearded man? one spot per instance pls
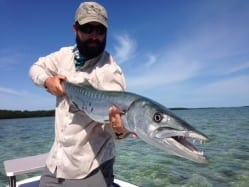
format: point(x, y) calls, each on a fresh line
point(83, 150)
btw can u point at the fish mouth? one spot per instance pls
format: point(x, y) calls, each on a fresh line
point(182, 143)
point(186, 143)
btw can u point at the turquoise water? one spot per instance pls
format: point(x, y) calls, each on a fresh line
point(139, 163)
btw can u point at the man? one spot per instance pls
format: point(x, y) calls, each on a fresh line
point(83, 150)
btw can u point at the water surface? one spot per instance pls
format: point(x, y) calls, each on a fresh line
point(144, 165)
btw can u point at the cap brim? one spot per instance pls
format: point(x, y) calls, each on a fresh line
point(88, 20)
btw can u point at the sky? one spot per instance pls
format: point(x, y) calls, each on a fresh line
point(181, 53)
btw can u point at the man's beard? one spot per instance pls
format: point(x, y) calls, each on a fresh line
point(88, 51)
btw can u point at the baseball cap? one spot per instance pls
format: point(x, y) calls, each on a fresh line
point(91, 12)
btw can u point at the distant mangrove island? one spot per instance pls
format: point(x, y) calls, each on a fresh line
point(11, 114)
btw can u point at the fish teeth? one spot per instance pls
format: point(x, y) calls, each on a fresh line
point(199, 152)
point(197, 140)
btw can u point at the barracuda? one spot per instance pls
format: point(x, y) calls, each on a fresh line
point(151, 121)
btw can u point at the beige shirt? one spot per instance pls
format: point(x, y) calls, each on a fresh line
point(80, 144)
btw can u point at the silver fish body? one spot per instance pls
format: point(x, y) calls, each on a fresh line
point(151, 121)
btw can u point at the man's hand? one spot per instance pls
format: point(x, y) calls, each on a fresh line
point(117, 124)
point(53, 85)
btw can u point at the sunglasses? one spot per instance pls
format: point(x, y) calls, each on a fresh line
point(88, 29)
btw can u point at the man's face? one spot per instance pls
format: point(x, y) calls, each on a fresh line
point(90, 39)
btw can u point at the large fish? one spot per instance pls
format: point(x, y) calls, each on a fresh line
point(151, 121)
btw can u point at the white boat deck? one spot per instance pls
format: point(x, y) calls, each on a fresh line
point(30, 164)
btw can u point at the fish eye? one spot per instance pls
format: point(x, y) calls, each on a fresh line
point(157, 117)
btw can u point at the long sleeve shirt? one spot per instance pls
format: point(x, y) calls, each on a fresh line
point(80, 144)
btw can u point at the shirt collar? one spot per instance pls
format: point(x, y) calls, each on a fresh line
point(81, 62)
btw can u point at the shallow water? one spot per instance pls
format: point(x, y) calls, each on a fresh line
point(144, 165)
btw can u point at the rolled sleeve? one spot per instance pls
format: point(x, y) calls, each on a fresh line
point(50, 65)
point(38, 75)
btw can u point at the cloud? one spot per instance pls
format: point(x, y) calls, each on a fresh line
point(237, 67)
point(233, 87)
point(24, 100)
point(11, 91)
point(124, 49)
point(168, 69)
point(233, 91)
point(206, 66)
point(9, 59)
point(151, 59)
point(209, 50)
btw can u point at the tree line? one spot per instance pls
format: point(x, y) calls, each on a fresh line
point(9, 114)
